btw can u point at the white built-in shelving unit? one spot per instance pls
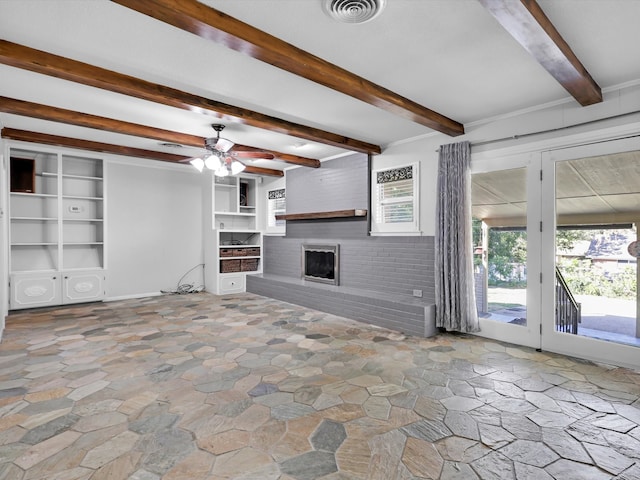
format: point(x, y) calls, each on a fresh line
point(56, 227)
point(234, 245)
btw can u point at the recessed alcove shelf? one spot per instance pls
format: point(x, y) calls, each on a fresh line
point(323, 215)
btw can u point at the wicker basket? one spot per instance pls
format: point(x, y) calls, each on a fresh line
point(229, 266)
point(249, 264)
point(239, 252)
point(226, 252)
point(252, 251)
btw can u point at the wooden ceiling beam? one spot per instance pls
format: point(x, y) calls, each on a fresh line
point(58, 141)
point(38, 61)
point(211, 24)
point(61, 115)
point(529, 26)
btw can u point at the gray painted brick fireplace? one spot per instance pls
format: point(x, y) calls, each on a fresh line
point(378, 274)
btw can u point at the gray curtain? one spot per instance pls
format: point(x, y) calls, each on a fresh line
point(455, 296)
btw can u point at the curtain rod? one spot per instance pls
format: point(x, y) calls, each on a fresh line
point(540, 132)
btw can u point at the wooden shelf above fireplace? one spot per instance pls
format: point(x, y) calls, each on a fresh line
point(323, 215)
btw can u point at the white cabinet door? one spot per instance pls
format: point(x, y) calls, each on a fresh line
point(231, 283)
point(82, 286)
point(31, 290)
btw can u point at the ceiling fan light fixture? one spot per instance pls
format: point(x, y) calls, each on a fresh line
point(222, 171)
point(197, 163)
point(353, 11)
point(213, 162)
point(236, 167)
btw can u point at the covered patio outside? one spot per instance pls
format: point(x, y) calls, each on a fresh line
point(597, 209)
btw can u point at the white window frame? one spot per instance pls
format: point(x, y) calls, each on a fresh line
point(401, 228)
point(272, 228)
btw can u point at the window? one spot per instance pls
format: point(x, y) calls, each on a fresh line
point(395, 202)
point(276, 205)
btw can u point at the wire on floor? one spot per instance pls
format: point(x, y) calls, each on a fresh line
point(184, 288)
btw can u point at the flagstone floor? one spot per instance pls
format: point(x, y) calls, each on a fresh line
point(244, 387)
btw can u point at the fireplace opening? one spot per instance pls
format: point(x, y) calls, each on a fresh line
point(320, 263)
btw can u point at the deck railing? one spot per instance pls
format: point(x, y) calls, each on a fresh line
point(568, 311)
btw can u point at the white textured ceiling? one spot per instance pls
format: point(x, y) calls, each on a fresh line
point(448, 55)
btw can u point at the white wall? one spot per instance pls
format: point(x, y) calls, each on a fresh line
point(555, 116)
point(154, 227)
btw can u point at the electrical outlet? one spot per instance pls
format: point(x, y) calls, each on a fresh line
point(417, 293)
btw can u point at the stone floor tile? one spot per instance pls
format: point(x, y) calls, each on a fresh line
point(46, 449)
point(493, 436)
point(86, 390)
point(521, 427)
point(386, 453)
point(508, 389)
point(239, 462)
point(613, 422)
point(608, 459)
point(121, 467)
point(630, 473)
point(529, 453)
point(195, 466)
point(458, 449)
point(586, 433)
point(224, 442)
point(594, 403)
point(110, 450)
point(565, 445)
point(462, 424)
point(422, 459)
point(545, 418)
point(429, 430)
point(365, 381)
point(528, 472)
point(463, 404)
point(309, 466)
point(570, 470)
point(629, 412)
point(377, 407)
point(457, 471)
point(494, 466)
point(623, 444)
point(353, 457)
point(291, 444)
point(328, 436)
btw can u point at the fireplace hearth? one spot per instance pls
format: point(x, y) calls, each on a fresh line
point(320, 263)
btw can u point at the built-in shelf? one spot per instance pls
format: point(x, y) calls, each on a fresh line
point(76, 197)
point(89, 220)
point(323, 215)
point(34, 219)
point(33, 244)
point(82, 177)
point(236, 214)
point(39, 195)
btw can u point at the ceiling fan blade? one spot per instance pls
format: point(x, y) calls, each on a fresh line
point(264, 155)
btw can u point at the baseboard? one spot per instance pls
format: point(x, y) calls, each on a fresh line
point(130, 297)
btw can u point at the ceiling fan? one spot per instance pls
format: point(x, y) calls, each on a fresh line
point(221, 156)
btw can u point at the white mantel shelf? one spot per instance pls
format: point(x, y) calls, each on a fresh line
point(323, 215)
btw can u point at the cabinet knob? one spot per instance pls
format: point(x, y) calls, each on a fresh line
point(66, 277)
point(54, 278)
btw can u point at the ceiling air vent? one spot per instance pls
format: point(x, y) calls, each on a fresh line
point(353, 11)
